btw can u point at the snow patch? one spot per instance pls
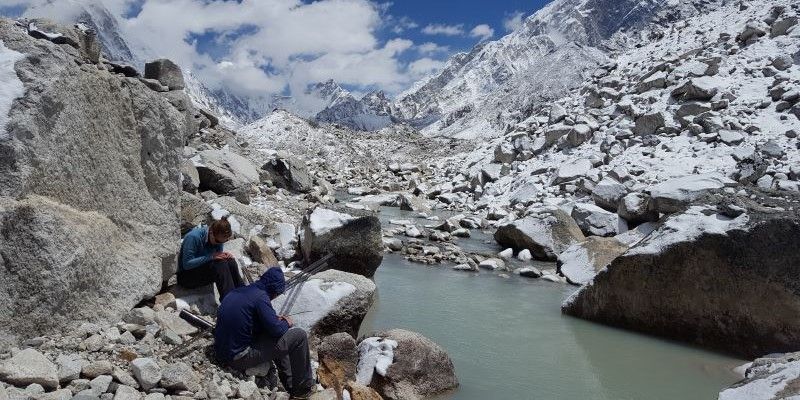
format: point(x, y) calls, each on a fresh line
point(10, 85)
point(324, 220)
point(767, 387)
point(688, 226)
point(375, 355)
point(315, 300)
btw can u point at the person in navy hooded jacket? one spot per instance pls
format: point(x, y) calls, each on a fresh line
point(250, 334)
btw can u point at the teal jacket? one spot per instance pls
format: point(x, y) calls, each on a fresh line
point(196, 250)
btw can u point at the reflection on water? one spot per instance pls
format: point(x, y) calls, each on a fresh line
point(508, 340)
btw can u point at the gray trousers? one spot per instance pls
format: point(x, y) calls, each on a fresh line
point(290, 354)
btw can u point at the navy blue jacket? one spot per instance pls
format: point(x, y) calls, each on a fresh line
point(246, 313)
point(196, 250)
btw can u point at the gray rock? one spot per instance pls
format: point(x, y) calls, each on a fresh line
point(782, 62)
point(608, 193)
point(420, 369)
point(166, 72)
point(171, 321)
point(190, 178)
point(94, 369)
point(147, 372)
point(731, 138)
point(635, 208)
point(126, 393)
point(492, 264)
point(504, 153)
point(29, 366)
point(557, 114)
point(782, 26)
point(752, 32)
point(111, 220)
point(765, 376)
point(546, 233)
point(393, 244)
point(194, 211)
point(675, 194)
point(288, 172)
point(179, 376)
point(530, 272)
point(354, 240)
point(572, 170)
point(69, 368)
point(140, 316)
point(412, 203)
point(338, 358)
point(700, 257)
point(594, 220)
point(772, 149)
point(100, 384)
point(703, 89)
point(225, 172)
point(648, 124)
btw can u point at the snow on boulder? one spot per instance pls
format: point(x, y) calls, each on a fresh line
point(702, 89)
point(420, 368)
point(580, 262)
point(375, 355)
point(767, 378)
point(594, 220)
point(702, 277)
point(545, 233)
point(354, 240)
point(675, 194)
point(329, 302)
point(572, 170)
point(608, 193)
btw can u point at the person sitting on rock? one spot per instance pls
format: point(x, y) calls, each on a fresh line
point(202, 260)
point(251, 335)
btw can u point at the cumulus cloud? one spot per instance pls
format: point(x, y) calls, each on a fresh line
point(443, 29)
point(513, 21)
point(267, 46)
point(482, 31)
point(432, 48)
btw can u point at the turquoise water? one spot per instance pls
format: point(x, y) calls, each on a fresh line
point(508, 340)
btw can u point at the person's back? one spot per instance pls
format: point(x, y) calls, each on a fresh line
point(250, 334)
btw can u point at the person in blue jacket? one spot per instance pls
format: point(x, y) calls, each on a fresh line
point(250, 334)
point(202, 260)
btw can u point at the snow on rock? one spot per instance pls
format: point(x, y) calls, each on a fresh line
point(594, 220)
point(580, 262)
point(674, 194)
point(546, 233)
point(11, 87)
point(323, 220)
point(767, 379)
point(375, 355)
point(335, 301)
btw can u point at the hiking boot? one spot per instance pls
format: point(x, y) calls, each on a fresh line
point(303, 393)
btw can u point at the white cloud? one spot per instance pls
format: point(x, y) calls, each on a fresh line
point(513, 21)
point(442, 29)
point(424, 67)
point(432, 48)
point(482, 31)
point(266, 46)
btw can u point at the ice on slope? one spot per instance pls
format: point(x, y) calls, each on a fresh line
point(10, 85)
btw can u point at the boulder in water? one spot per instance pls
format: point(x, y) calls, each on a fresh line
point(420, 368)
point(691, 279)
point(355, 241)
point(580, 262)
point(546, 233)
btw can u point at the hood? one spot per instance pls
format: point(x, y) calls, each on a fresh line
point(272, 282)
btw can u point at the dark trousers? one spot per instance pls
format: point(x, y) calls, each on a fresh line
point(290, 354)
point(224, 273)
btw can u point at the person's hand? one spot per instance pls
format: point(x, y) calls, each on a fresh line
point(222, 256)
point(288, 320)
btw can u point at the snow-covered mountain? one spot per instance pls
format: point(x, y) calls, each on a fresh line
point(478, 94)
point(370, 113)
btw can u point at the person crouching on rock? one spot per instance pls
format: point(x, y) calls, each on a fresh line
point(251, 335)
point(202, 260)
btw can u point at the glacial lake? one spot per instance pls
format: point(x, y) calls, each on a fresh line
point(509, 340)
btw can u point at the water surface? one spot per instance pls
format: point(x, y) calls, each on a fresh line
point(509, 340)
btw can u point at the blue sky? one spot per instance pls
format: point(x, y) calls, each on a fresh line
point(282, 46)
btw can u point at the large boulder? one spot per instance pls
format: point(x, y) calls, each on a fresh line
point(608, 193)
point(166, 72)
point(580, 262)
point(288, 172)
point(329, 302)
point(768, 378)
point(245, 220)
point(355, 240)
point(225, 172)
point(338, 359)
point(675, 194)
point(702, 277)
point(546, 233)
point(89, 190)
point(420, 368)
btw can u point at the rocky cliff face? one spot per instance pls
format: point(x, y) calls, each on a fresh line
point(89, 185)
